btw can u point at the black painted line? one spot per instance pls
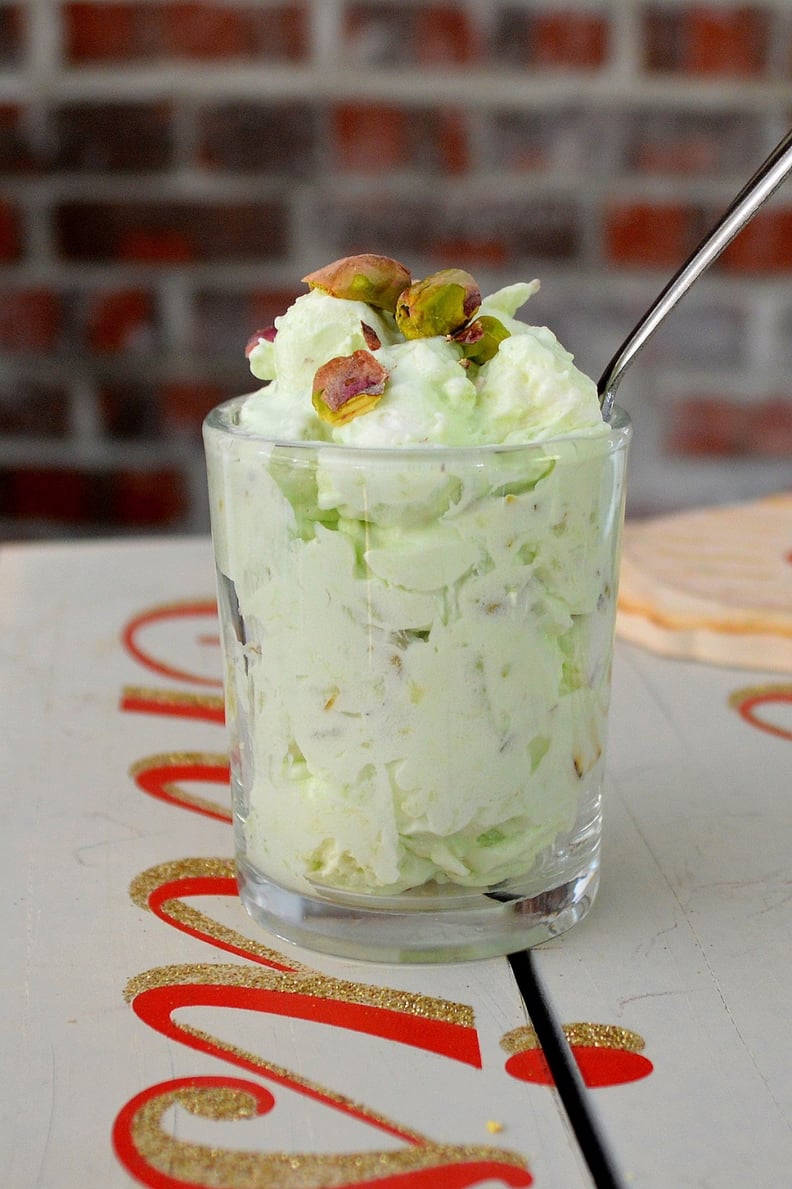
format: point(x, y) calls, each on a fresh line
point(566, 1074)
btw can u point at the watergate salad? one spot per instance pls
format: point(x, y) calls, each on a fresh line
point(429, 695)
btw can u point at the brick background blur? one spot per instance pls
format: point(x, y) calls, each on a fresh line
point(169, 169)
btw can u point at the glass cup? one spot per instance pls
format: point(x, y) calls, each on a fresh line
point(418, 647)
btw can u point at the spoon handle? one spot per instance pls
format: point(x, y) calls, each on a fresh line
point(743, 207)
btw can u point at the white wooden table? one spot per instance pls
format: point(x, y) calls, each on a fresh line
point(152, 1035)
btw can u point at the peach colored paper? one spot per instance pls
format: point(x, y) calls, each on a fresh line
point(712, 584)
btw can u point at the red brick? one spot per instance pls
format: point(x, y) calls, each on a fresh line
point(549, 38)
point(379, 34)
point(113, 137)
point(649, 235)
point(266, 306)
point(715, 426)
point(216, 31)
point(15, 152)
point(154, 245)
point(763, 246)
point(733, 42)
point(706, 425)
point(382, 137)
point(224, 319)
point(129, 410)
point(273, 138)
point(30, 320)
point(397, 34)
point(443, 35)
point(184, 404)
point(10, 235)
point(666, 141)
point(771, 427)
point(453, 142)
point(567, 38)
point(12, 33)
point(148, 499)
point(207, 31)
point(120, 320)
point(109, 32)
point(707, 40)
point(532, 230)
point(470, 251)
point(677, 157)
point(171, 232)
point(511, 39)
point(283, 32)
point(566, 139)
point(34, 409)
point(374, 138)
point(546, 229)
point(127, 498)
point(204, 31)
point(62, 495)
point(662, 40)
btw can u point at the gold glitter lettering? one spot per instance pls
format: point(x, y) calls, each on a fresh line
point(202, 1164)
point(202, 608)
point(746, 701)
point(768, 690)
point(193, 920)
point(596, 1036)
point(139, 697)
point(305, 982)
point(150, 774)
point(177, 869)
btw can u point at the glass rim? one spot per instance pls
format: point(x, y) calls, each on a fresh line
point(218, 421)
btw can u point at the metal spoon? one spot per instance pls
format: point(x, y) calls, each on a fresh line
point(754, 193)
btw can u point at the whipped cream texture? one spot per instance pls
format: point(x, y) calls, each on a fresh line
point(417, 640)
point(530, 389)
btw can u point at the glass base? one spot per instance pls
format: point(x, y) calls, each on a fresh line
point(440, 925)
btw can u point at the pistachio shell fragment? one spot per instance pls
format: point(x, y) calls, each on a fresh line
point(354, 407)
point(481, 338)
point(440, 304)
point(371, 336)
point(347, 386)
point(375, 280)
point(267, 334)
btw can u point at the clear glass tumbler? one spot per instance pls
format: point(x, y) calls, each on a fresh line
point(418, 647)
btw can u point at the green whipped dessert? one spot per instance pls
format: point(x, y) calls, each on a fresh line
point(488, 379)
point(416, 522)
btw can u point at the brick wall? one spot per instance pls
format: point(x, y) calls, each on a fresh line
point(168, 169)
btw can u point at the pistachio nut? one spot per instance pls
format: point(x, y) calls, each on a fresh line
point(440, 304)
point(481, 338)
point(375, 280)
point(347, 386)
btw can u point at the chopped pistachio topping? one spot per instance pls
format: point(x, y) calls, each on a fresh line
point(481, 338)
point(363, 403)
point(376, 280)
point(386, 308)
point(347, 386)
point(371, 336)
point(440, 304)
